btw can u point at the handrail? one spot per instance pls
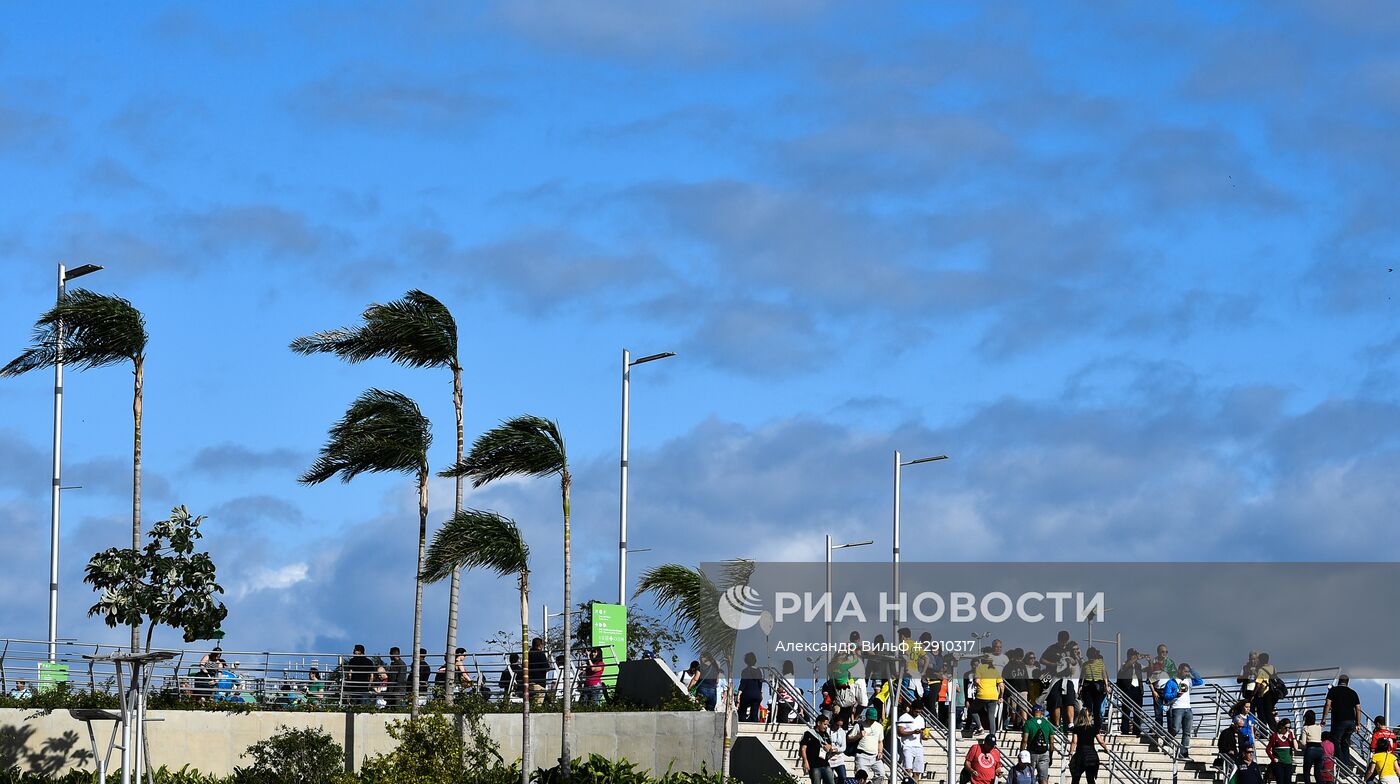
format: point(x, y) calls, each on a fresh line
point(1115, 759)
point(1148, 725)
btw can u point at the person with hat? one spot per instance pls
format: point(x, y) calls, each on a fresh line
point(1038, 740)
point(1023, 772)
point(868, 737)
point(983, 760)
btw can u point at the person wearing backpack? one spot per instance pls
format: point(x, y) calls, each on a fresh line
point(1266, 691)
point(1023, 772)
point(1038, 740)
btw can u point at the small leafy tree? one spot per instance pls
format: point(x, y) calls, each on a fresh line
point(294, 756)
point(166, 583)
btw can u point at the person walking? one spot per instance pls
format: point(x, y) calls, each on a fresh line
point(1311, 742)
point(1094, 689)
point(1038, 739)
point(1282, 744)
point(813, 751)
point(983, 760)
point(1344, 705)
point(750, 688)
point(1176, 693)
point(1383, 765)
point(869, 740)
point(910, 730)
point(1083, 756)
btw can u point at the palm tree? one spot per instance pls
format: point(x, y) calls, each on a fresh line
point(384, 431)
point(692, 599)
point(91, 330)
point(416, 331)
point(477, 539)
point(530, 446)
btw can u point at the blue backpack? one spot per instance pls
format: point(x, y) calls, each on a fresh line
point(1171, 690)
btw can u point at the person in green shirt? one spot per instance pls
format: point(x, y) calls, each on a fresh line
point(1038, 738)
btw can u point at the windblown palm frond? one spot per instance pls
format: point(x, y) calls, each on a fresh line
point(526, 445)
point(97, 330)
point(416, 331)
point(691, 599)
point(476, 539)
point(381, 431)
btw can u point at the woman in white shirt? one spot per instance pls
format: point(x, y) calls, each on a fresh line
point(837, 759)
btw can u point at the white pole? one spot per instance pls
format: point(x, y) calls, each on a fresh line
point(622, 490)
point(952, 723)
point(57, 470)
point(544, 625)
point(1385, 703)
point(894, 682)
point(828, 599)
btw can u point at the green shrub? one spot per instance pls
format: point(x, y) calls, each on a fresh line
point(431, 750)
point(305, 756)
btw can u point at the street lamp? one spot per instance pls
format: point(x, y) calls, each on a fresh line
point(64, 275)
point(896, 682)
point(829, 548)
point(627, 363)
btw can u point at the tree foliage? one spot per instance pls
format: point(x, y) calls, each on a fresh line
point(165, 583)
point(415, 331)
point(97, 330)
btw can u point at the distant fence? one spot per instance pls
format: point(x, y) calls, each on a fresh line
point(299, 677)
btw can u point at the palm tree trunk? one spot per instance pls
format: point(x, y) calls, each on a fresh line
point(455, 591)
point(564, 756)
point(728, 706)
point(524, 677)
point(136, 396)
point(418, 586)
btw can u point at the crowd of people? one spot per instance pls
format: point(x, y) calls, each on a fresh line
point(386, 683)
point(1061, 687)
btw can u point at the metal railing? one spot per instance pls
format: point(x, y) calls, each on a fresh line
point(288, 679)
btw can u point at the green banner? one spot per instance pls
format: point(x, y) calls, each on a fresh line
point(610, 629)
point(50, 675)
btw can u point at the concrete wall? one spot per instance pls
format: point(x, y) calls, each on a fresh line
point(213, 742)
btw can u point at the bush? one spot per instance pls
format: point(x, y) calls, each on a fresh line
point(305, 756)
point(431, 751)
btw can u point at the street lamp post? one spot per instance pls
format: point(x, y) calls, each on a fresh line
point(896, 681)
point(627, 363)
point(64, 275)
point(829, 548)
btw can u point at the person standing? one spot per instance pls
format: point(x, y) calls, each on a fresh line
point(707, 687)
point(1380, 732)
point(983, 760)
point(1266, 691)
point(869, 740)
point(910, 729)
point(398, 677)
point(788, 692)
point(1282, 744)
point(839, 739)
point(1344, 705)
point(1130, 683)
point(538, 666)
point(813, 750)
point(1095, 686)
point(1383, 765)
point(1177, 695)
point(1038, 738)
point(1311, 741)
point(750, 688)
point(1083, 757)
point(358, 669)
point(990, 688)
point(1160, 669)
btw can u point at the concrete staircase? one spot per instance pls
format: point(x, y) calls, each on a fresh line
point(1151, 763)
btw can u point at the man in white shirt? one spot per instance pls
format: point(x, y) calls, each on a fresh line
point(911, 741)
point(870, 745)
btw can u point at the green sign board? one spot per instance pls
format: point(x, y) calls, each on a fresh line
point(51, 674)
point(610, 629)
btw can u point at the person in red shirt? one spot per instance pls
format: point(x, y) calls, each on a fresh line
point(983, 760)
point(1382, 732)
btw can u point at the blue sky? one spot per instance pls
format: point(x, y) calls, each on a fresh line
point(1127, 263)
